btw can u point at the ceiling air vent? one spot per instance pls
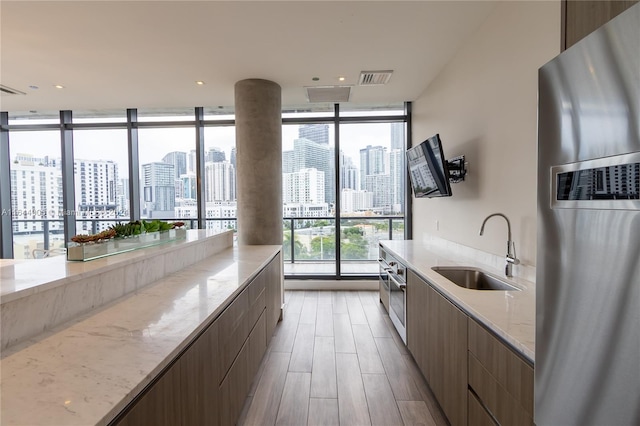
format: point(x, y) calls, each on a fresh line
point(5, 91)
point(374, 78)
point(328, 93)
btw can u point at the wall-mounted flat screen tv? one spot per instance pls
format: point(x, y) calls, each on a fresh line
point(428, 169)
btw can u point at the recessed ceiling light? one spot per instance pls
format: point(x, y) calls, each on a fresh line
point(33, 87)
point(316, 79)
point(59, 86)
point(200, 83)
point(341, 78)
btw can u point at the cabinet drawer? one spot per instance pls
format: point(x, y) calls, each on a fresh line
point(257, 347)
point(510, 371)
point(233, 329)
point(257, 286)
point(257, 300)
point(478, 416)
point(236, 385)
point(198, 386)
point(234, 388)
point(504, 407)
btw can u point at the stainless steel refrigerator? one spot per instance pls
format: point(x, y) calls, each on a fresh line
point(587, 361)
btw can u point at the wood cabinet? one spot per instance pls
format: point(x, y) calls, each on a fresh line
point(160, 405)
point(236, 385)
point(418, 321)
point(500, 378)
point(580, 17)
point(476, 378)
point(437, 339)
point(208, 383)
point(478, 415)
point(273, 294)
point(198, 374)
point(234, 328)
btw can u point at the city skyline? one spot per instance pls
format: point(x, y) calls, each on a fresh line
point(312, 144)
point(154, 143)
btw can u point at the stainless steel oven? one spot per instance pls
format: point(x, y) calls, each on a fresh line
point(398, 297)
point(384, 278)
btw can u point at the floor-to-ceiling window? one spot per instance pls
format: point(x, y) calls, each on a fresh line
point(334, 229)
point(163, 155)
point(372, 191)
point(343, 178)
point(163, 148)
point(36, 189)
point(101, 178)
point(308, 196)
point(219, 177)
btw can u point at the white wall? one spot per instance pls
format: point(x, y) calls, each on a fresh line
point(484, 105)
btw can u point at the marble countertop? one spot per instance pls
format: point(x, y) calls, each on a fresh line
point(23, 277)
point(86, 371)
point(509, 314)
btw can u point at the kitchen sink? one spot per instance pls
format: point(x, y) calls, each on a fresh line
point(473, 278)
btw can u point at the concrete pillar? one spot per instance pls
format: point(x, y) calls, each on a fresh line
point(258, 108)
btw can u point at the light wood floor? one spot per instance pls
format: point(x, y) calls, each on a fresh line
point(337, 360)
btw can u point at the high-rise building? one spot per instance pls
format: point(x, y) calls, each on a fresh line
point(397, 136)
point(178, 160)
point(380, 186)
point(397, 173)
point(372, 162)
point(158, 190)
point(96, 192)
point(305, 186)
point(352, 201)
point(220, 182)
point(189, 186)
point(191, 161)
point(288, 161)
point(318, 133)
point(348, 173)
point(36, 194)
point(215, 155)
point(122, 197)
point(232, 160)
point(308, 154)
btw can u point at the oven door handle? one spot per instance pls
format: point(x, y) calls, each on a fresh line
point(384, 265)
point(401, 286)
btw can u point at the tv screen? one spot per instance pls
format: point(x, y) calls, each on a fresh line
point(428, 169)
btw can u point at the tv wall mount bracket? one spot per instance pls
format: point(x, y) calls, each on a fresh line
point(457, 169)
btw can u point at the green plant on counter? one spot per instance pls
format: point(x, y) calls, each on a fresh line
point(123, 230)
point(143, 226)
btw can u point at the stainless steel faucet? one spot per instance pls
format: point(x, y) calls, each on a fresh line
point(511, 246)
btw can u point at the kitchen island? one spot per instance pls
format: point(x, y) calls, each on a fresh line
point(90, 368)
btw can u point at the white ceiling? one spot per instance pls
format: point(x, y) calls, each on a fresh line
point(148, 54)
